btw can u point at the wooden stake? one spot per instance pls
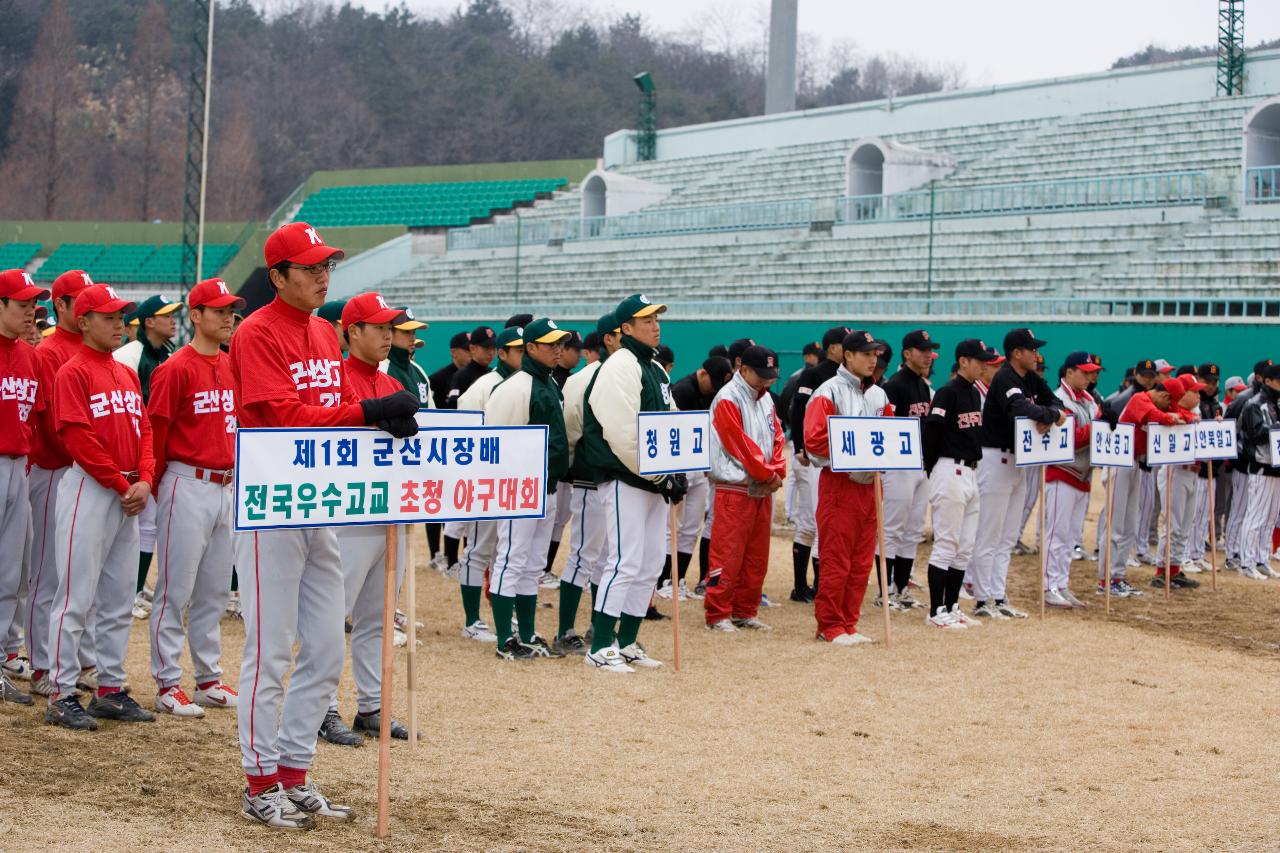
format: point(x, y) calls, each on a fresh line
point(673, 523)
point(384, 733)
point(1168, 500)
point(411, 607)
point(1044, 550)
point(884, 561)
point(1107, 554)
point(1213, 530)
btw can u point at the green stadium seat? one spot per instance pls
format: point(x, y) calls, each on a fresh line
point(17, 255)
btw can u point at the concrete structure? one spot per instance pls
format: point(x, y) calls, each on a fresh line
point(780, 82)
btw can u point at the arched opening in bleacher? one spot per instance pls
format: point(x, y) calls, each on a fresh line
point(1262, 151)
point(594, 197)
point(866, 170)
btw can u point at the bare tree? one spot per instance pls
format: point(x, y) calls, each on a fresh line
point(235, 170)
point(152, 105)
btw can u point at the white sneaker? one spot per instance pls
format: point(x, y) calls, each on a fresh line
point(142, 605)
point(1193, 567)
point(1053, 598)
point(636, 656)
point(1070, 597)
point(989, 611)
point(233, 607)
point(453, 572)
point(479, 631)
point(966, 592)
point(1265, 569)
point(1132, 563)
point(174, 701)
point(401, 621)
point(724, 626)
point(963, 618)
point(943, 619)
point(1009, 611)
point(549, 581)
point(1077, 553)
point(664, 591)
point(752, 624)
point(309, 800)
point(858, 639)
point(607, 659)
point(217, 696)
point(43, 686)
point(273, 808)
point(688, 594)
point(19, 668)
point(1252, 573)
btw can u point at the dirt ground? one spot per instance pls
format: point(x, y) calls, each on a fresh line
point(1151, 730)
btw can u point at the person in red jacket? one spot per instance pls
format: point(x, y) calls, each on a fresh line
point(287, 372)
point(104, 427)
point(19, 400)
point(747, 467)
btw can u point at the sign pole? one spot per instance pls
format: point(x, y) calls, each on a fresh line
point(1213, 530)
point(1107, 553)
point(884, 560)
point(384, 732)
point(411, 607)
point(1168, 500)
point(1044, 550)
point(673, 517)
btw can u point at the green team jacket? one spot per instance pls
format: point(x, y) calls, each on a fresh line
point(528, 397)
point(402, 368)
point(627, 383)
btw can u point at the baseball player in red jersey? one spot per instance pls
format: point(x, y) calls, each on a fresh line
point(192, 412)
point(846, 502)
point(49, 462)
point(104, 427)
point(287, 371)
point(19, 399)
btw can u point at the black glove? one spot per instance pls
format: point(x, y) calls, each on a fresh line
point(401, 404)
point(673, 488)
point(399, 427)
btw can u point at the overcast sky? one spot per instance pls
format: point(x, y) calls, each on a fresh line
point(991, 42)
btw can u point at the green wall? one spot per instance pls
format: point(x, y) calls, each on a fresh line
point(1234, 347)
point(573, 170)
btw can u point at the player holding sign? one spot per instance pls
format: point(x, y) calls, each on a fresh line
point(192, 411)
point(1257, 418)
point(287, 371)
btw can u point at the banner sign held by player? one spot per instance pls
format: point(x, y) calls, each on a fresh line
point(673, 442)
point(1216, 439)
point(1273, 447)
point(874, 444)
point(1055, 447)
point(1171, 445)
point(1111, 448)
point(332, 477)
point(444, 418)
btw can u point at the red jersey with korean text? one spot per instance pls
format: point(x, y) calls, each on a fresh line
point(19, 384)
point(101, 419)
point(366, 381)
point(51, 354)
point(192, 410)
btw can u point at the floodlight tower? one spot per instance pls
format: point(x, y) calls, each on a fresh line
point(780, 80)
point(1230, 47)
point(647, 135)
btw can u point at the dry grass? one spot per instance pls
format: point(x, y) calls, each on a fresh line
point(1148, 731)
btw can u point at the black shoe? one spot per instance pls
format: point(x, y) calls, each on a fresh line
point(371, 725)
point(10, 693)
point(336, 732)
point(798, 597)
point(69, 713)
point(346, 626)
point(654, 616)
point(812, 593)
point(570, 644)
point(119, 706)
point(1183, 582)
point(513, 649)
point(542, 650)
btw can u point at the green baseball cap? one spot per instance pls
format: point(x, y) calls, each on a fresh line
point(607, 325)
point(544, 331)
point(332, 310)
point(512, 336)
point(153, 306)
point(636, 305)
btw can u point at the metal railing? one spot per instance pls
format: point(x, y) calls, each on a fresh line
point(1262, 185)
point(1118, 191)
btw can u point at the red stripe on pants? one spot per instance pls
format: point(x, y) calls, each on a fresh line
point(740, 530)
point(847, 530)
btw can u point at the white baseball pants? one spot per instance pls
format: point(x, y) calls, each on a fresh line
point(193, 574)
point(1148, 515)
point(1126, 502)
point(584, 563)
point(1002, 488)
point(635, 523)
point(806, 510)
point(15, 548)
point(147, 527)
point(563, 491)
point(1063, 505)
point(456, 529)
point(521, 552)
point(291, 587)
point(1239, 507)
point(953, 498)
point(1199, 535)
point(364, 557)
point(97, 560)
point(482, 540)
point(1181, 485)
point(1260, 519)
point(1032, 474)
point(693, 512)
point(906, 497)
point(42, 585)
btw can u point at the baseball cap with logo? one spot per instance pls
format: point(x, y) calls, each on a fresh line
point(544, 331)
point(518, 320)
point(299, 243)
point(919, 339)
point(511, 336)
point(213, 293)
point(812, 348)
point(1235, 383)
point(860, 341)
point(460, 341)
point(1163, 366)
point(762, 360)
point(1081, 361)
point(974, 348)
point(637, 305)
point(720, 369)
point(574, 341)
point(1096, 359)
point(369, 308)
point(996, 357)
point(157, 305)
point(71, 283)
point(1208, 371)
point(1021, 339)
point(102, 299)
point(834, 335)
point(607, 325)
point(332, 310)
point(1261, 366)
point(16, 284)
point(1145, 366)
point(738, 347)
point(1190, 382)
point(1271, 371)
point(410, 323)
point(481, 336)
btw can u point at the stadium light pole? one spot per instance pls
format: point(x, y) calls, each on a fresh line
point(204, 145)
point(647, 135)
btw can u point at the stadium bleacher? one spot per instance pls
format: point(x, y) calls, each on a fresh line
point(131, 263)
point(421, 205)
point(17, 255)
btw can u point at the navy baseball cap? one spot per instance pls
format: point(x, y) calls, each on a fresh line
point(482, 336)
point(1145, 366)
point(1081, 361)
point(738, 347)
point(974, 348)
point(860, 341)
point(919, 339)
point(460, 341)
point(834, 335)
point(762, 360)
point(518, 320)
point(812, 348)
point(1022, 339)
point(720, 369)
point(574, 341)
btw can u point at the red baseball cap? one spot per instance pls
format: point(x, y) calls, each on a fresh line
point(71, 283)
point(300, 244)
point(103, 299)
point(1191, 383)
point(16, 284)
point(369, 308)
point(213, 293)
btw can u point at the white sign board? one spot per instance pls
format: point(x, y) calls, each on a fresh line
point(1055, 447)
point(1216, 439)
point(334, 477)
point(673, 442)
point(1171, 445)
point(874, 444)
point(1273, 445)
point(1111, 448)
point(437, 418)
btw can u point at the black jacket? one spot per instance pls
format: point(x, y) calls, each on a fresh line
point(1012, 396)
